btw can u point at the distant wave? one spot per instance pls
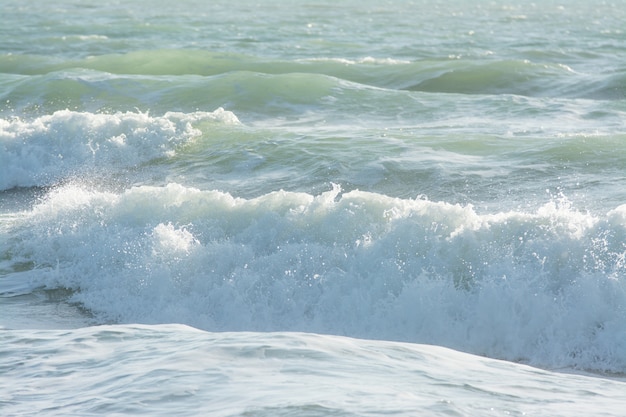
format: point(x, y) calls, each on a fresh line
point(488, 75)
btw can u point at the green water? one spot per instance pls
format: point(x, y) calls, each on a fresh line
point(442, 172)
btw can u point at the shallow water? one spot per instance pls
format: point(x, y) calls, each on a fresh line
point(165, 369)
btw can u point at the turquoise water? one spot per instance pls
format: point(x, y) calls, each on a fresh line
point(440, 184)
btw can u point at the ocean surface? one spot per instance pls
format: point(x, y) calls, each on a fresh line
point(313, 208)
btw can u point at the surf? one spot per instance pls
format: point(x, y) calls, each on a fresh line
point(511, 285)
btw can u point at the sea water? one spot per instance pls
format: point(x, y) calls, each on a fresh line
point(313, 208)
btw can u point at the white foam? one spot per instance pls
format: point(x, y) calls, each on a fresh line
point(364, 60)
point(48, 149)
point(546, 287)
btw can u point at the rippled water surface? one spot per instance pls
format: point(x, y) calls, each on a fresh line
point(340, 198)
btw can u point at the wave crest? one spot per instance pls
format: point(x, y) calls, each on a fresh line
point(50, 148)
point(545, 287)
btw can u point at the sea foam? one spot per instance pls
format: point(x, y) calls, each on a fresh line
point(50, 148)
point(544, 287)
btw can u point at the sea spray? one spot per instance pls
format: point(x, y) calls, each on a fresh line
point(543, 287)
point(478, 150)
point(52, 148)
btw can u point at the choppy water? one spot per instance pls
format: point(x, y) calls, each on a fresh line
point(404, 178)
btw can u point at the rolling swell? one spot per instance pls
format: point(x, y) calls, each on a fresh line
point(307, 144)
point(468, 76)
